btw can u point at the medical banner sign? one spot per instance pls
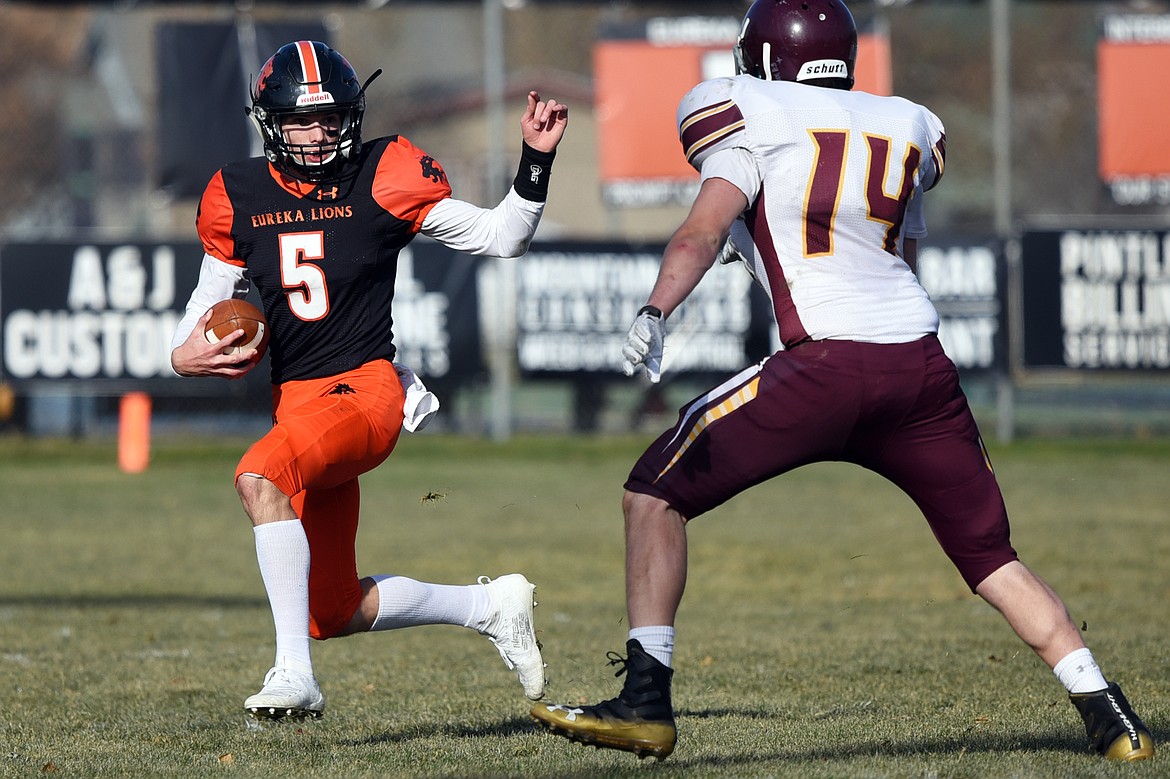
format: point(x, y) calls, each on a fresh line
point(575, 303)
point(1096, 299)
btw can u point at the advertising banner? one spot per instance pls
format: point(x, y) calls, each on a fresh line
point(205, 72)
point(575, 303)
point(1096, 299)
point(1133, 145)
point(642, 70)
point(104, 314)
point(966, 283)
point(577, 300)
point(436, 313)
point(92, 312)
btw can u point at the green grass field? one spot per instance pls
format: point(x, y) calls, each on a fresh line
point(823, 633)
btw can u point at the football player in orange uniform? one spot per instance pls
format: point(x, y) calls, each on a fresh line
point(316, 225)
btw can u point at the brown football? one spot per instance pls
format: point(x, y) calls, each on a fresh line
point(233, 314)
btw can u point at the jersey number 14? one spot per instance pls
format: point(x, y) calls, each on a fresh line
point(825, 184)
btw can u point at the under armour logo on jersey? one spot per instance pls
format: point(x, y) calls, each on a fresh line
point(534, 173)
point(342, 389)
point(327, 194)
point(432, 169)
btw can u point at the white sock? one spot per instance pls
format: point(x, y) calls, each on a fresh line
point(657, 640)
point(404, 603)
point(282, 550)
point(1078, 672)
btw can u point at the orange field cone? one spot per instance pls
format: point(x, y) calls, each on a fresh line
point(134, 432)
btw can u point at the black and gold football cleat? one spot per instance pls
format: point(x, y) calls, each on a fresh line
point(1113, 729)
point(639, 720)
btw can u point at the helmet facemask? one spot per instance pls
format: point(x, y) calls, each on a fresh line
point(309, 78)
point(291, 158)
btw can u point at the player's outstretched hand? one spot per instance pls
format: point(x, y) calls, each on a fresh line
point(199, 357)
point(644, 345)
point(543, 124)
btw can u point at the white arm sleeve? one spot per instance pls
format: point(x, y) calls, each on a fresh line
point(736, 165)
point(503, 231)
point(218, 281)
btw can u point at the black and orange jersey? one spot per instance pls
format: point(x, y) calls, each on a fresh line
point(323, 256)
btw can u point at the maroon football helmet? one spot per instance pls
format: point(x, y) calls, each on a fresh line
point(810, 41)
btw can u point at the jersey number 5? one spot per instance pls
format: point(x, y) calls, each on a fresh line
point(825, 184)
point(304, 282)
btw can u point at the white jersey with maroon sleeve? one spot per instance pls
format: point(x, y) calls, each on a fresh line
point(834, 181)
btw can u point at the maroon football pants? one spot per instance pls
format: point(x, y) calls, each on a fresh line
point(895, 409)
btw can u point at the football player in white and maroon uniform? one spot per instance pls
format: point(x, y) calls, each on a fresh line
point(316, 225)
point(820, 190)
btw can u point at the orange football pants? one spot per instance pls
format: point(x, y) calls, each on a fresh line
point(326, 433)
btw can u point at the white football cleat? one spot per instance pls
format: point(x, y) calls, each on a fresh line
point(511, 630)
point(287, 693)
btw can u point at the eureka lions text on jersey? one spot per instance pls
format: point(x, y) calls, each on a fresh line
point(323, 255)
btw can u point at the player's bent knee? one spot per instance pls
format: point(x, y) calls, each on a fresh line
point(262, 500)
point(640, 507)
point(249, 486)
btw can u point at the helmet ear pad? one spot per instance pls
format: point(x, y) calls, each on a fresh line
point(307, 77)
point(808, 41)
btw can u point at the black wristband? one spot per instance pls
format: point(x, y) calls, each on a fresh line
point(532, 177)
point(653, 311)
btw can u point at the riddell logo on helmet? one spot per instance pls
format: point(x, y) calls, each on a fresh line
point(314, 98)
point(822, 69)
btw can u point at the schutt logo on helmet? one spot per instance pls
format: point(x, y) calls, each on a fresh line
point(782, 40)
